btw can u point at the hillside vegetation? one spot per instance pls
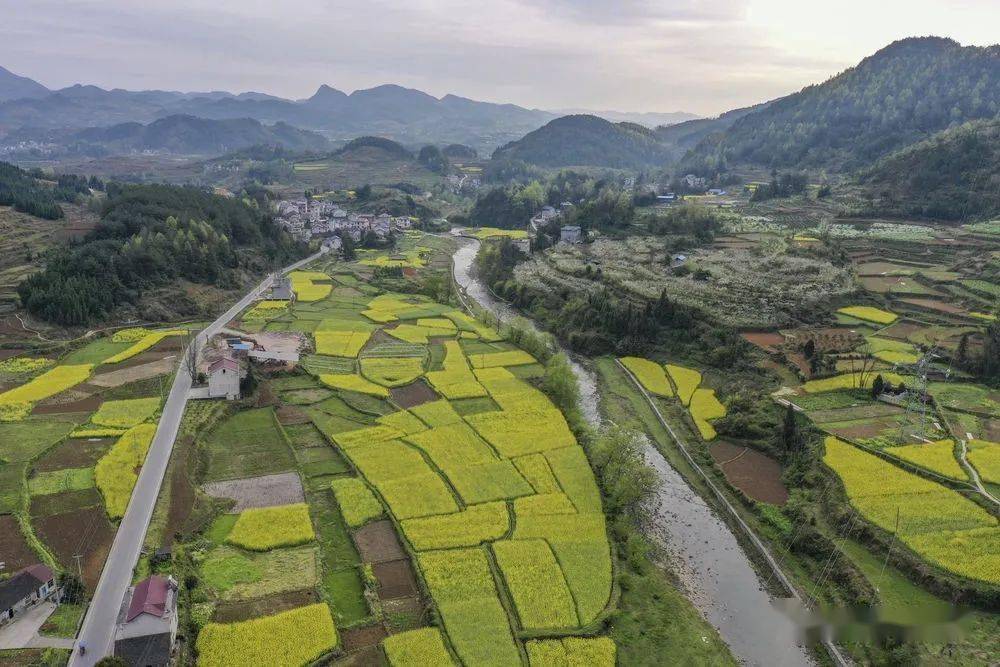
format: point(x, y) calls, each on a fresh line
point(898, 96)
point(587, 141)
point(954, 175)
point(148, 236)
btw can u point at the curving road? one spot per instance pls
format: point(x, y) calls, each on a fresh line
point(99, 624)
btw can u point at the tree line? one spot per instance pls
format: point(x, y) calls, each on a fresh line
point(38, 194)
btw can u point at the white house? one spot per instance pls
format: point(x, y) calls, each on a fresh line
point(147, 623)
point(224, 379)
point(25, 588)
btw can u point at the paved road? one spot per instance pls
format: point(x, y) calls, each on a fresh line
point(98, 629)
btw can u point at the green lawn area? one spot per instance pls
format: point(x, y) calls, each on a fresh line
point(57, 481)
point(23, 440)
point(63, 621)
point(95, 352)
point(247, 444)
point(237, 574)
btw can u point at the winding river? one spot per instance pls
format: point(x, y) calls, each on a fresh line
point(716, 573)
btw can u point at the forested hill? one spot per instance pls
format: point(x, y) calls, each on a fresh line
point(587, 141)
point(148, 236)
point(954, 175)
point(896, 97)
point(36, 194)
point(191, 135)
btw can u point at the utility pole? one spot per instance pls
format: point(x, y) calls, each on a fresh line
point(79, 567)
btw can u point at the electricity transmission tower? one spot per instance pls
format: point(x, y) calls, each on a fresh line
point(915, 420)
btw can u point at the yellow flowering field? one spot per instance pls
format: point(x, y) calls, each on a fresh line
point(130, 335)
point(470, 324)
point(456, 380)
point(686, 380)
point(412, 333)
point(266, 309)
point(509, 358)
point(287, 639)
point(357, 502)
point(24, 365)
point(143, 344)
point(265, 528)
point(402, 421)
point(704, 408)
point(115, 473)
point(571, 651)
point(468, 528)
point(937, 523)
point(310, 285)
point(461, 583)
point(849, 381)
point(650, 375)
point(483, 233)
point(514, 433)
point(47, 384)
point(869, 314)
point(125, 413)
point(936, 456)
point(417, 648)
point(535, 468)
point(536, 584)
point(436, 413)
point(985, 456)
point(340, 343)
point(351, 382)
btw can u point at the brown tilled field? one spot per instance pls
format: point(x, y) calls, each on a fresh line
point(14, 549)
point(412, 394)
point(396, 579)
point(74, 453)
point(755, 474)
point(242, 610)
point(377, 543)
point(84, 531)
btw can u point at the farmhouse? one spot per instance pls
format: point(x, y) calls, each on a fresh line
point(523, 245)
point(224, 379)
point(570, 234)
point(281, 289)
point(24, 589)
point(147, 623)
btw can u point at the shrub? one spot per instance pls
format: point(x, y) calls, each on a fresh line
point(417, 648)
point(126, 413)
point(536, 584)
point(650, 375)
point(115, 473)
point(468, 528)
point(295, 637)
point(357, 502)
point(261, 529)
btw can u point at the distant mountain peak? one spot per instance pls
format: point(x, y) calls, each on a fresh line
point(14, 86)
point(327, 93)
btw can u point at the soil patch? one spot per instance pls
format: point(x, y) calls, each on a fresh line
point(755, 474)
point(143, 358)
point(767, 341)
point(266, 491)
point(9, 352)
point(289, 415)
point(932, 304)
point(58, 503)
point(242, 610)
point(901, 330)
point(182, 492)
point(413, 394)
point(864, 430)
point(358, 638)
point(377, 543)
point(395, 579)
point(74, 453)
point(404, 614)
point(89, 404)
point(14, 548)
point(991, 429)
point(144, 371)
point(85, 531)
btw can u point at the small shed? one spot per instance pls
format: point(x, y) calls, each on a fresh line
point(570, 234)
point(147, 623)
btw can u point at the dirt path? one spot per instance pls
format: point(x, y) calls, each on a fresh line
point(974, 474)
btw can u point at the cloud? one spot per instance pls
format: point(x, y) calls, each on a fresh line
point(646, 55)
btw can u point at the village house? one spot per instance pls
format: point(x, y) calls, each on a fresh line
point(147, 623)
point(25, 588)
point(224, 379)
point(570, 234)
point(281, 289)
point(523, 245)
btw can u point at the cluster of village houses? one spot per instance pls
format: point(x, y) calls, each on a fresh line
point(309, 218)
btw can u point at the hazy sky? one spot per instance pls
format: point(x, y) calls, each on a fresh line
point(634, 55)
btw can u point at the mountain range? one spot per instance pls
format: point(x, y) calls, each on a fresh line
point(404, 114)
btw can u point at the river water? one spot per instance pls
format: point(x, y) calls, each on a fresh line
point(716, 573)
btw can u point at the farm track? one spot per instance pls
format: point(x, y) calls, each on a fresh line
point(974, 474)
point(100, 622)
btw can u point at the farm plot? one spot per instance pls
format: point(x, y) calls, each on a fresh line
point(266, 528)
point(937, 523)
point(650, 374)
point(115, 474)
point(936, 456)
point(295, 637)
point(253, 492)
point(247, 444)
point(985, 456)
point(869, 314)
point(755, 474)
point(310, 285)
